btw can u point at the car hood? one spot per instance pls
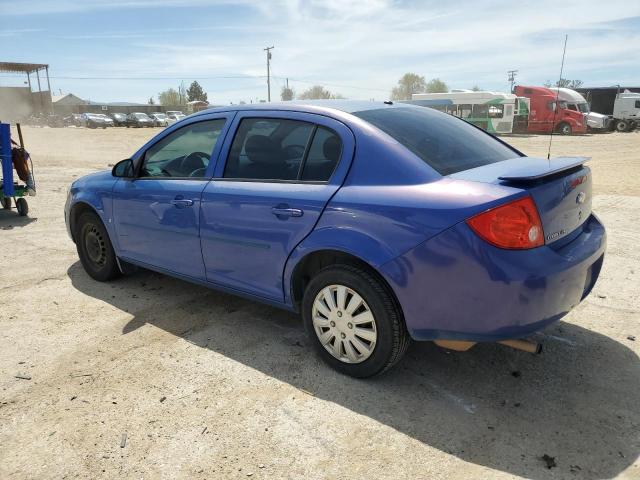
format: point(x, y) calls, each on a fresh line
point(97, 178)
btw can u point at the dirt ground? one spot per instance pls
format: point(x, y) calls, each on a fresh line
point(151, 377)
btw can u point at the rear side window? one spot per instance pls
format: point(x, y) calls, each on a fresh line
point(445, 143)
point(323, 156)
point(282, 149)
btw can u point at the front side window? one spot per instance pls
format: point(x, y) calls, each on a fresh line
point(184, 153)
point(282, 149)
point(445, 143)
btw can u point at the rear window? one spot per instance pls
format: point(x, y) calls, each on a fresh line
point(445, 143)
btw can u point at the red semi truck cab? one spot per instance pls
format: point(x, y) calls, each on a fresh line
point(541, 116)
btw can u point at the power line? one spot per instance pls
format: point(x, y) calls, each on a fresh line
point(211, 77)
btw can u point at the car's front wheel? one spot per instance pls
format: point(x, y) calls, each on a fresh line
point(354, 321)
point(95, 249)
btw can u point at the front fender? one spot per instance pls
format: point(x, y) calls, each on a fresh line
point(346, 240)
point(99, 201)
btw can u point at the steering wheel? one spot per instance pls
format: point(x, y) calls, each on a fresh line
point(187, 163)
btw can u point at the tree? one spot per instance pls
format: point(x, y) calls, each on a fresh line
point(318, 92)
point(151, 102)
point(436, 85)
point(182, 94)
point(408, 84)
point(195, 92)
point(169, 97)
point(287, 94)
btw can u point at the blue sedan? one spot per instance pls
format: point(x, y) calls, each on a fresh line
point(378, 222)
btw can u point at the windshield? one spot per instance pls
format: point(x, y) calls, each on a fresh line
point(583, 107)
point(140, 115)
point(444, 142)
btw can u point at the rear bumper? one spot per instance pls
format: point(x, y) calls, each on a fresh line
point(456, 286)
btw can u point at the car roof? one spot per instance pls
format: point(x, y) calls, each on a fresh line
point(310, 106)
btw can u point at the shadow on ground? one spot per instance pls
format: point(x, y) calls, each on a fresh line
point(491, 406)
point(10, 219)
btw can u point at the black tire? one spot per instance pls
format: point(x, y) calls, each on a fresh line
point(622, 126)
point(565, 129)
point(392, 336)
point(6, 203)
point(22, 206)
point(95, 249)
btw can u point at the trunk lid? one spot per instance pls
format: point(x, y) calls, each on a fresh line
point(561, 189)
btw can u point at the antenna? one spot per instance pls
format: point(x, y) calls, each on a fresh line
point(555, 110)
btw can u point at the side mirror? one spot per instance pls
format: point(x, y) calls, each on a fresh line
point(123, 169)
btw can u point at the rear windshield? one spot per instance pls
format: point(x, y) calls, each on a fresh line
point(447, 144)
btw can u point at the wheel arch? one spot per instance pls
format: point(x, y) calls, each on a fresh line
point(312, 262)
point(77, 209)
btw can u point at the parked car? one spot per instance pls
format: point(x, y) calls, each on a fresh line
point(174, 117)
point(119, 119)
point(159, 119)
point(75, 120)
point(94, 120)
point(107, 119)
point(377, 222)
point(138, 119)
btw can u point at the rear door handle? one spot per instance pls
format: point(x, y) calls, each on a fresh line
point(286, 212)
point(180, 202)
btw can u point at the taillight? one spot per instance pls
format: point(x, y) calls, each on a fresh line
point(515, 225)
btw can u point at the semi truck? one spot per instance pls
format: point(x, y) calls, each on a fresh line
point(576, 102)
point(550, 112)
point(495, 112)
point(620, 104)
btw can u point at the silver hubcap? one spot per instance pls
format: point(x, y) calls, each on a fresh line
point(344, 324)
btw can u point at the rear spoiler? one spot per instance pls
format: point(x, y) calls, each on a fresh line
point(536, 168)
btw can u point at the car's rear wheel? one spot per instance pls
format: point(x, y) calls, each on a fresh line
point(354, 321)
point(95, 249)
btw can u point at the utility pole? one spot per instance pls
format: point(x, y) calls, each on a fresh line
point(268, 50)
point(512, 78)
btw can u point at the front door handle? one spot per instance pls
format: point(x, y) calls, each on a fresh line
point(180, 202)
point(286, 212)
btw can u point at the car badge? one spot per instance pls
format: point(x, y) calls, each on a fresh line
point(581, 198)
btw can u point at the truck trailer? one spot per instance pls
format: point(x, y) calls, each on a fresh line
point(620, 104)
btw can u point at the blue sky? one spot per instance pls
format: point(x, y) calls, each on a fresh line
point(129, 50)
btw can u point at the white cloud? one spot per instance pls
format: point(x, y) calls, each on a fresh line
point(369, 44)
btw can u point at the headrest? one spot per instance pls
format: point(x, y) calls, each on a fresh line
point(331, 148)
point(260, 149)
